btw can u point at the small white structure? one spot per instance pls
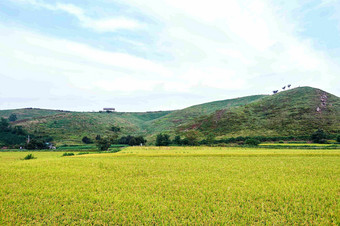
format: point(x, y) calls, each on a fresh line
point(109, 109)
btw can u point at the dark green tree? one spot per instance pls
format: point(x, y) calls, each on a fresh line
point(319, 136)
point(115, 129)
point(4, 125)
point(210, 138)
point(103, 144)
point(191, 138)
point(36, 144)
point(338, 138)
point(132, 141)
point(252, 142)
point(12, 117)
point(163, 140)
point(86, 140)
point(177, 140)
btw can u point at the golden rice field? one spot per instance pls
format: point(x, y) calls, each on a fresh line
point(179, 185)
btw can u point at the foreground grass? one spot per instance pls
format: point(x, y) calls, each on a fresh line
point(172, 185)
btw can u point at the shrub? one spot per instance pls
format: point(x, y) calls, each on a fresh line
point(338, 138)
point(162, 140)
point(103, 144)
point(29, 156)
point(319, 136)
point(87, 140)
point(68, 154)
point(252, 142)
point(12, 117)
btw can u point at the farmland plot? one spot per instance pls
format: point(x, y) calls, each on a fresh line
point(172, 186)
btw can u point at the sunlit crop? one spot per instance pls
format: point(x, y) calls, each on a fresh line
point(172, 185)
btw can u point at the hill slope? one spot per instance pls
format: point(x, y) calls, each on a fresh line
point(174, 119)
point(299, 111)
point(69, 127)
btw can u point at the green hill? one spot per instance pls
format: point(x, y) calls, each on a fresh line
point(29, 113)
point(69, 127)
point(174, 119)
point(298, 111)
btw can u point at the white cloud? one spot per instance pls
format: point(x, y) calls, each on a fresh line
point(216, 50)
point(98, 25)
point(247, 39)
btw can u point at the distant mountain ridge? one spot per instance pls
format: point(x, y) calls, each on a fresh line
point(297, 111)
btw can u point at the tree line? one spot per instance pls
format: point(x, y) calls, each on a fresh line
point(16, 137)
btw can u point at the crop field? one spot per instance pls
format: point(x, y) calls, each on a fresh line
point(299, 144)
point(174, 185)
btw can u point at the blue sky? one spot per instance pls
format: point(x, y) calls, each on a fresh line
point(141, 55)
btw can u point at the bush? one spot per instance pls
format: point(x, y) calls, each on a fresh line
point(338, 138)
point(131, 140)
point(68, 154)
point(252, 142)
point(162, 140)
point(87, 140)
point(103, 144)
point(29, 156)
point(319, 136)
point(12, 117)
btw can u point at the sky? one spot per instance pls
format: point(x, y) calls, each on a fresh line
point(147, 55)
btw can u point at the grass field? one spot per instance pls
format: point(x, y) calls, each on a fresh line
point(174, 185)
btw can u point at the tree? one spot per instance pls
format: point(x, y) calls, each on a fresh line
point(177, 140)
point(98, 137)
point(338, 138)
point(103, 144)
point(12, 117)
point(132, 141)
point(210, 138)
point(140, 140)
point(162, 140)
point(319, 136)
point(192, 138)
point(115, 129)
point(87, 140)
point(252, 142)
point(36, 144)
point(4, 125)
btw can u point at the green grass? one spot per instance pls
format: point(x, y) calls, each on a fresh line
point(176, 118)
point(69, 127)
point(289, 113)
point(173, 185)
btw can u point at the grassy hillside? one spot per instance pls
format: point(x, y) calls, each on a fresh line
point(70, 127)
point(170, 121)
point(298, 111)
point(29, 113)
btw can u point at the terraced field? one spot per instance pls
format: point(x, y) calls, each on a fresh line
point(151, 185)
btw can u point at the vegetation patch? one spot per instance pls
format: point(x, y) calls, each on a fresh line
point(173, 185)
point(29, 157)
